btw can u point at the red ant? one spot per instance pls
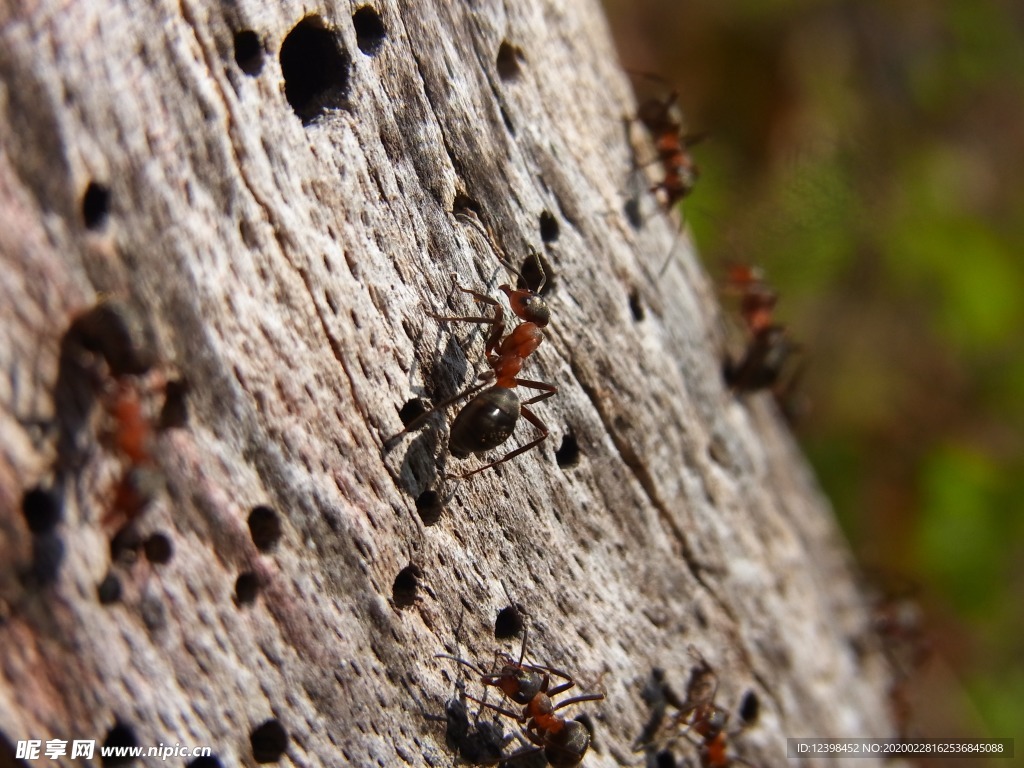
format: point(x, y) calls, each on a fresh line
point(769, 348)
point(660, 117)
point(563, 742)
point(702, 716)
point(490, 418)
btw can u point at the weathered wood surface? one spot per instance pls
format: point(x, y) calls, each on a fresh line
point(286, 271)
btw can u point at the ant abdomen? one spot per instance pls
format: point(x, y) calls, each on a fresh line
point(486, 422)
point(566, 748)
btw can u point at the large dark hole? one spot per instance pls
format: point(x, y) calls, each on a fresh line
point(316, 69)
point(269, 741)
point(508, 623)
point(42, 509)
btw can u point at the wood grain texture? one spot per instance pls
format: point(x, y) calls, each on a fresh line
point(285, 269)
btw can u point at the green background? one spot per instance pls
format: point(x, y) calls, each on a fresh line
point(870, 156)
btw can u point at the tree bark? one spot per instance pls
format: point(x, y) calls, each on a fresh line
point(277, 209)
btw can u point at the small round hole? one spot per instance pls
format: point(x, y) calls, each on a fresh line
point(125, 544)
point(264, 527)
point(248, 52)
point(750, 707)
point(549, 229)
point(315, 68)
point(158, 549)
point(42, 509)
point(429, 506)
point(174, 413)
point(636, 307)
point(404, 589)
point(109, 590)
point(120, 736)
point(508, 623)
point(370, 32)
point(465, 205)
point(269, 741)
point(509, 61)
point(632, 212)
point(411, 411)
point(247, 588)
point(95, 205)
point(568, 453)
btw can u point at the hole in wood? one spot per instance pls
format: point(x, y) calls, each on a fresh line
point(264, 527)
point(95, 205)
point(411, 411)
point(42, 509)
point(403, 591)
point(316, 69)
point(174, 413)
point(158, 549)
point(508, 623)
point(247, 588)
point(510, 58)
point(750, 707)
point(636, 307)
point(549, 229)
point(123, 736)
point(466, 205)
point(108, 591)
point(248, 52)
point(429, 507)
point(370, 31)
point(268, 741)
point(568, 453)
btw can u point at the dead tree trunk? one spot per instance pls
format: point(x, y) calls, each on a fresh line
point(270, 188)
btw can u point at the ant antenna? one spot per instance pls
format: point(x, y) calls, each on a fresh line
point(488, 235)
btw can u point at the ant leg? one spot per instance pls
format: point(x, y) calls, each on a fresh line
point(550, 390)
point(497, 322)
point(517, 716)
point(465, 663)
point(419, 421)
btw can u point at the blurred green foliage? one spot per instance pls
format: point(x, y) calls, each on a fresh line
point(869, 155)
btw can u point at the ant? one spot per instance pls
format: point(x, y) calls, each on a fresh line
point(662, 120)
point(705, 721)
point(769, 348)
point(490, 418)
point(563, 742)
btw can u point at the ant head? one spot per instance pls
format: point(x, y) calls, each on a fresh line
point(567, 747)
point(711, 722)
point(527, 305)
